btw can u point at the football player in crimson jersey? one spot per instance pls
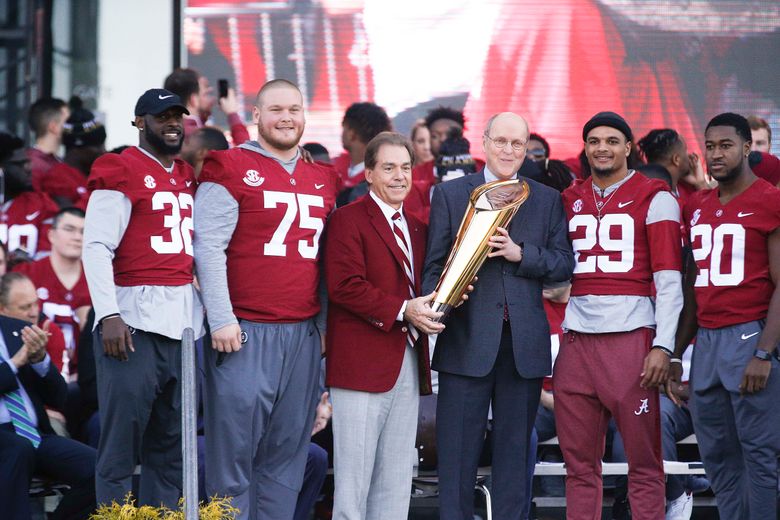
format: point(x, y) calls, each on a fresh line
point(260, 213)
point(138, 262)
point(362, 122)
point(60, 282)
point(25, 215)
point(625, 231)
point(732, 306)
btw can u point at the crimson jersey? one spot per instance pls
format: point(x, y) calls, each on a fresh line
point(63, 181)
point(272, 257)
point(341, 164)
point(618, 254)
point(156, 248)
point(41, 162)
point(25, 221)
point(58, 303)
point(729, 242)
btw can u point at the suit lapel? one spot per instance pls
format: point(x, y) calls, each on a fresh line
point(382, 228)
point(476, 179)
point(518, 221)
point(12, 337)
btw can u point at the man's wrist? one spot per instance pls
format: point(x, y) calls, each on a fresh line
point(664, 350)
point(38, 357)
point(109, 317)
point(763, 355)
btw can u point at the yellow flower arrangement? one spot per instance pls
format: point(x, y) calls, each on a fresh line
point(215, 509)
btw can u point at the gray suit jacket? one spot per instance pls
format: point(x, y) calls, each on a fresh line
point(469, 344)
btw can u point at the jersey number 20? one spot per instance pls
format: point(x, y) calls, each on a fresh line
point(712, 245)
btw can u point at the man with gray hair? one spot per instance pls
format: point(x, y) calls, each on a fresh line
point(496, 347)
point(379, 323)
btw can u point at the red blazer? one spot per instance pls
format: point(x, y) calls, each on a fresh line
point(366, 288)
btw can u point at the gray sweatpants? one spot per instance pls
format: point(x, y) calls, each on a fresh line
point(738, 435)
point(259, 408)
point(140, 421)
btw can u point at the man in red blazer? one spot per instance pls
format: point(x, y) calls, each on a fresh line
point(377, 344)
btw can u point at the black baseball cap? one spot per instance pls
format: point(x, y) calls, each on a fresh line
point(156, 101)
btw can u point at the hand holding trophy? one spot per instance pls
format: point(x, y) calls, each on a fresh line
point(491, 206)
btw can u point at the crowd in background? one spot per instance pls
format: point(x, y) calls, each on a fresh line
point(45, 195)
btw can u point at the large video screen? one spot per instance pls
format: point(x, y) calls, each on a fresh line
point(658, 63)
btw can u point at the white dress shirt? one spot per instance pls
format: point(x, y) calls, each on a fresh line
point(388, 211)
point(41, 368)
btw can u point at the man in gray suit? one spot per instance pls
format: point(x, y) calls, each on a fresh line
point(481, 358)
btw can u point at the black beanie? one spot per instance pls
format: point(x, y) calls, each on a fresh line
point(610, 119)
point(81, 128)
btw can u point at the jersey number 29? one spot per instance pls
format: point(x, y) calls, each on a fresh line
point(601, 233)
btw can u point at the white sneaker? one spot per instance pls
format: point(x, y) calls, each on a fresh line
point(680, 508)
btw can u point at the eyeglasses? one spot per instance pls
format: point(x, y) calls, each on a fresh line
point(501, 143)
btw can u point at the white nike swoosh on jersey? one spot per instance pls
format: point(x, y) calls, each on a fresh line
point(32, 216)
point(624, 204)
point(188, 183)
point(748, 336)
point(740, 214)
point(318, 186)
point(165, 97)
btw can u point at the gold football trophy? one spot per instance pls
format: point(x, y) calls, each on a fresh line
point(491, 205)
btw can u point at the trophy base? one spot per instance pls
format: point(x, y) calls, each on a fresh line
point(442, 307)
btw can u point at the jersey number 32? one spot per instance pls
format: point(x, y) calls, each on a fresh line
point(181, 228)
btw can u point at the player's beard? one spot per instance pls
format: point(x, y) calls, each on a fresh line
point(279, 144)
point(159, 144)
point(603, 172)
point(732, 174)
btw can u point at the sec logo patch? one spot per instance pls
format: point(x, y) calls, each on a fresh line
point(253, 178)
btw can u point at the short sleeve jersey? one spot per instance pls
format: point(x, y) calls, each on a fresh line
point(730, 248)
point(25, 221)
point(156, 248)
point(273, 254)
point(618, 253)
point(58, 303)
